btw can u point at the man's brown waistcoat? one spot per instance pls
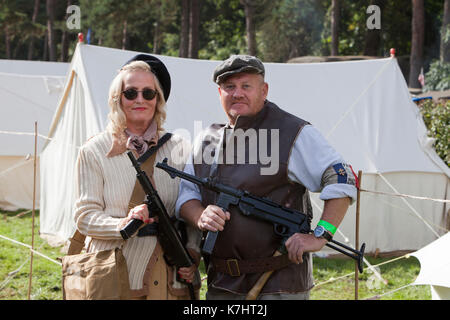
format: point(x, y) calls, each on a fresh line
point(246, 237)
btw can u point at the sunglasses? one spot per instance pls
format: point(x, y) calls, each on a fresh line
point(147, 94)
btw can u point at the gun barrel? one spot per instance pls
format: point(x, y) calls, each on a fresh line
point(177, 173)
point(176, 253)
point(286, 221)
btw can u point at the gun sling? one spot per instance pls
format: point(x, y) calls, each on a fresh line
point(77, 240)
point(235, 267)
point(138, 195)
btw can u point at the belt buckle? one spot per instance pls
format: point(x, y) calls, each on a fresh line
point(229, 261)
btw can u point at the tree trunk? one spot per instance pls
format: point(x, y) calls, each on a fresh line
point(184, 32)
point(51, 30)
point(418, 33)
point(445, 45)
point(249, 9)
point(45, 52)
point(7, 43)
point(373, 36)
point(65, 39)
point(335, 16)
point(124, 35)
point(33, 20)
point(194, 21)
point(16, 50)
point(156, 38)
point(64, 46)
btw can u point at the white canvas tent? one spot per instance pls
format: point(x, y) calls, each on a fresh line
point(362, 107)
point(434, 267)
point(30, 91)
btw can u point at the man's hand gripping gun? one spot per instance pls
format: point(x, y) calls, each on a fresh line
point(286, 221)
point(175, 253)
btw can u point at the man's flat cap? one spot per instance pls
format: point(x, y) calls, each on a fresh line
point(159, 70)
point(237, 64)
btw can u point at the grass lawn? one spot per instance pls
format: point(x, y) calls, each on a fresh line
point(46, 280)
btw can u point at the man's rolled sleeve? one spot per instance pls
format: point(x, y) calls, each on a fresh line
point(316, 165)
point(187, 190)
point(333, 191)
point(338, 181)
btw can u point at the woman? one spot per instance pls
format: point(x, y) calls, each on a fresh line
point(106, 180)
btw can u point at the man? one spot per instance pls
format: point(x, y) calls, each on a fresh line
point(305, 161)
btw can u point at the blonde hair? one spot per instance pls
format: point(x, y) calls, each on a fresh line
point(117, 119)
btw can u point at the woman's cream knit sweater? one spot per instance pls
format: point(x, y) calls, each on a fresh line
point(105, 185)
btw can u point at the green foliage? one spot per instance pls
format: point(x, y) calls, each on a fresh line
point(15, 261)
point(445, 34)
point(291, 28)
point(109, 19)
point(437, 120)
point(284, 28)
point(394, 275)
point(222, 32)
point(438, 77)
point(46, 284)
point(16, 24)
point(396, 28)
point(352, 27)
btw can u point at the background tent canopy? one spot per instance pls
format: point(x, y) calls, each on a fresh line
point(362, 107)
point(36, 68)
point(30, 91)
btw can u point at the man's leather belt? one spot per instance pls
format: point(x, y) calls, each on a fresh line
point(235, 267)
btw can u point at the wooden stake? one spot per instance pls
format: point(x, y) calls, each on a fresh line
point(60, 108)
point(256, 289)
point(33, 211)
point(358, 203)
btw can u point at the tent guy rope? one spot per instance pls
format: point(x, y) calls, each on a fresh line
point(347, 112)
point(33, 210)
point(410, 206)
point(28, 100)
point(406, 196)
point(346, 240)
point(353, 105)
point(407, 210)
point(29, 247)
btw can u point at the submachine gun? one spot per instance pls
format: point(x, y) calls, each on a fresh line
point(286, 221)
point(175, 252)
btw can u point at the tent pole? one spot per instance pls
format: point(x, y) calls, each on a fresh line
point(34, 205)
point(60, 107)
point(358, 202)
